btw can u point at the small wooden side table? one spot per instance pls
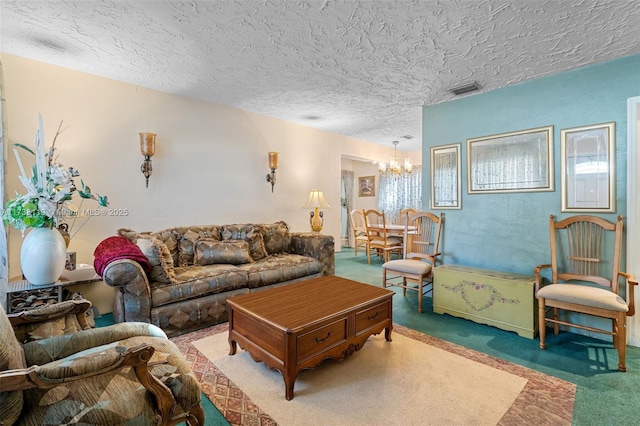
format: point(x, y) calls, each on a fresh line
point(18, 290)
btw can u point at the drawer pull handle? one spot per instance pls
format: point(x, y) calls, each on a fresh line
point(372, 317)
point(318, 340)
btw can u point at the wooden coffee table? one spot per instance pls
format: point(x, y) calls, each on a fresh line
point(296, 326)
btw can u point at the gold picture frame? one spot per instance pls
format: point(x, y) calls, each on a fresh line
point(367, 186)
point(445, 177)
point(519, 161)
point(589, 168)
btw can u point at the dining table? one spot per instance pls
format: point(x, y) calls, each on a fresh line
point(395, 229)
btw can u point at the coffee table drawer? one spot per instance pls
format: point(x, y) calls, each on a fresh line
point(371, 317)
point(318, 340)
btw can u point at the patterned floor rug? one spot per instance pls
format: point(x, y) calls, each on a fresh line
point(542, 400)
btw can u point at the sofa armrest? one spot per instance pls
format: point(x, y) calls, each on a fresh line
point(133, 298)
point(320, 247)
point(88, 367)
point(62, 318)
point(47, 313)
point(59, 347)
point(84, 368)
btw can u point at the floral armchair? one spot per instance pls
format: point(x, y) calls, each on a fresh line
point(55, 369)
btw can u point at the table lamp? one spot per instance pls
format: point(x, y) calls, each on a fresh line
point(316, 201)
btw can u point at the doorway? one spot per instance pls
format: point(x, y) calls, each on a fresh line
point(346, 202)
point(633, 213)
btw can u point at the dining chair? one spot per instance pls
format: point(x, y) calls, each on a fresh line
point(585, 275)
point(377, 238)
point(402, 216)
point(421, 240)
point(359, 231)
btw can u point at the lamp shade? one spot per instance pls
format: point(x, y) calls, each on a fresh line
point(316, 200)
point(273, 160)
point(147, 144)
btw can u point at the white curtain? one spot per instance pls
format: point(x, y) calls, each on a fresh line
point(513, 165)
point(399, 192)
point(347, 204)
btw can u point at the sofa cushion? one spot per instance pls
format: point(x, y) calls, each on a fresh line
point(279, 268)
point(168, 237)
point(129, 234)
point(277, 238)
point(188, 235)
point(250, 234)
point(196, 281)
point(586, 295)
point(159, 257)
point(209, 251)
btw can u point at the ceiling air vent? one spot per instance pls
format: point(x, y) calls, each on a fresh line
point(465, 88)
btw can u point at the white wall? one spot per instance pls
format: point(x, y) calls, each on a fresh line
point(210, 162)
point(361, 169)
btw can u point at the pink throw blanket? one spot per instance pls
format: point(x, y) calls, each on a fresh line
point(114, 248)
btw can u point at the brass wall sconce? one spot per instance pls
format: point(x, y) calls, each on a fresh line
point(316, 201)
point(147, 148)
point(273, 165)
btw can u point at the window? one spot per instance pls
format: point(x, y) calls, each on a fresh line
point(399, 192)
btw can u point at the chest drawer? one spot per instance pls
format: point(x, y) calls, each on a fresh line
point(318, 340)
point(371, 317)
point(501, 299)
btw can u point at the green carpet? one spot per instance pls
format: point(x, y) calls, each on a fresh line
point(604, 396)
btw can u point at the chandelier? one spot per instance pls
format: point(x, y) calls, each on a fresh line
point(394, 167)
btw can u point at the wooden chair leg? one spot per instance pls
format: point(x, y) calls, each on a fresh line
point(384, 278)
point(556, 326)
point(196, 416)
point(621, 339)
point(420, 295)
point(542, 324)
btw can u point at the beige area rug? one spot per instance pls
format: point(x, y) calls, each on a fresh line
point(416, 379)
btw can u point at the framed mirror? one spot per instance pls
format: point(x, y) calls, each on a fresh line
point(588, 168)
point(511, 162)
point(445, 177)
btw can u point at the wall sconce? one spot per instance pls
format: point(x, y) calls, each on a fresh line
point(316, 200)
point(273, 165)
point(147, 148)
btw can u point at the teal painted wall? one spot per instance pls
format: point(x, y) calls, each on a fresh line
point(509, 231)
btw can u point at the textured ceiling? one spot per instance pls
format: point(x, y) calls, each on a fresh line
point(358, 68)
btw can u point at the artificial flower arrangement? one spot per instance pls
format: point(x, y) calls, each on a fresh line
point(50, 190)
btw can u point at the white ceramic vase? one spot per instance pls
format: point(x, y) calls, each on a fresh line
point(43, 255)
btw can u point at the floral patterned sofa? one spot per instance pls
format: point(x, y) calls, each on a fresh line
point(195, 269)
